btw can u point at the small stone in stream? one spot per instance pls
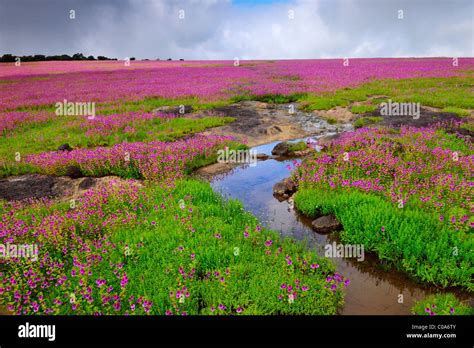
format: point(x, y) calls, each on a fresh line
point(326, 224)
point(262, 156)
point(65, 147)
point(281, 149)
point(74, 172)
point(284, 188)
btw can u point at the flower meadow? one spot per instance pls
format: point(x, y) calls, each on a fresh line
point(406, 195)
point(155, 241)
point(110, 254)
point(35, 84)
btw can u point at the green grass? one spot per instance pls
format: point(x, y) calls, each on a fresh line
point(255, 278)
point(457, 111)
point(269, 98)
point(297, 146)
point(439, 92)
point(364, 121)
point(413, 240)
point(148, 104)
point(441, 304)
point(362, 109)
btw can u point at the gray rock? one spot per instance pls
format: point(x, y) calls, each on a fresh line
point(326, 224)
point(87, 183)
point(174, 109)
point(65, 147)
point(281, 149)
point(74, 172)
point(284, 188)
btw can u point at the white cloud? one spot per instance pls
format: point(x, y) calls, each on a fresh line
point(219, 29)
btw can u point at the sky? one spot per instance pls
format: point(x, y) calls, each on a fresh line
point(243, 29)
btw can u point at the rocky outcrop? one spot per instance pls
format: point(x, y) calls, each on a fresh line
point(326, 224)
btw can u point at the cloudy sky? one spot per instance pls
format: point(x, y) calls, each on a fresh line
point(246, 29)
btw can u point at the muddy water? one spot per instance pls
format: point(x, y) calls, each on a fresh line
point(372, 290)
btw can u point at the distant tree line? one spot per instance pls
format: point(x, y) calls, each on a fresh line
point(7, 58)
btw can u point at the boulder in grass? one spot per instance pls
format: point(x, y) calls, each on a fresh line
point(65, 147)
point(177, 110)
point(74, 172)
point(326, 224)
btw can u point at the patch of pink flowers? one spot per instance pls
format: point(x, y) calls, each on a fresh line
point(154, 160)
point(417, 166)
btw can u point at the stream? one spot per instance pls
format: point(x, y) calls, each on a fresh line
point(372, 290)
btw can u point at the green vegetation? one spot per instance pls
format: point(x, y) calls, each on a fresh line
point(362, 109)
point(364, 121)
point(269, 98)
point(457, 111)
point(441, 304)
point(439, 92)
point(297, 146)
point(402, 237)
point(177, 250)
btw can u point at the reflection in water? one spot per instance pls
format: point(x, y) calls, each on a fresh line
point(372, 290)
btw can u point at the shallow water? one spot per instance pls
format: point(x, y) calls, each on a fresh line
point(372, 290)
